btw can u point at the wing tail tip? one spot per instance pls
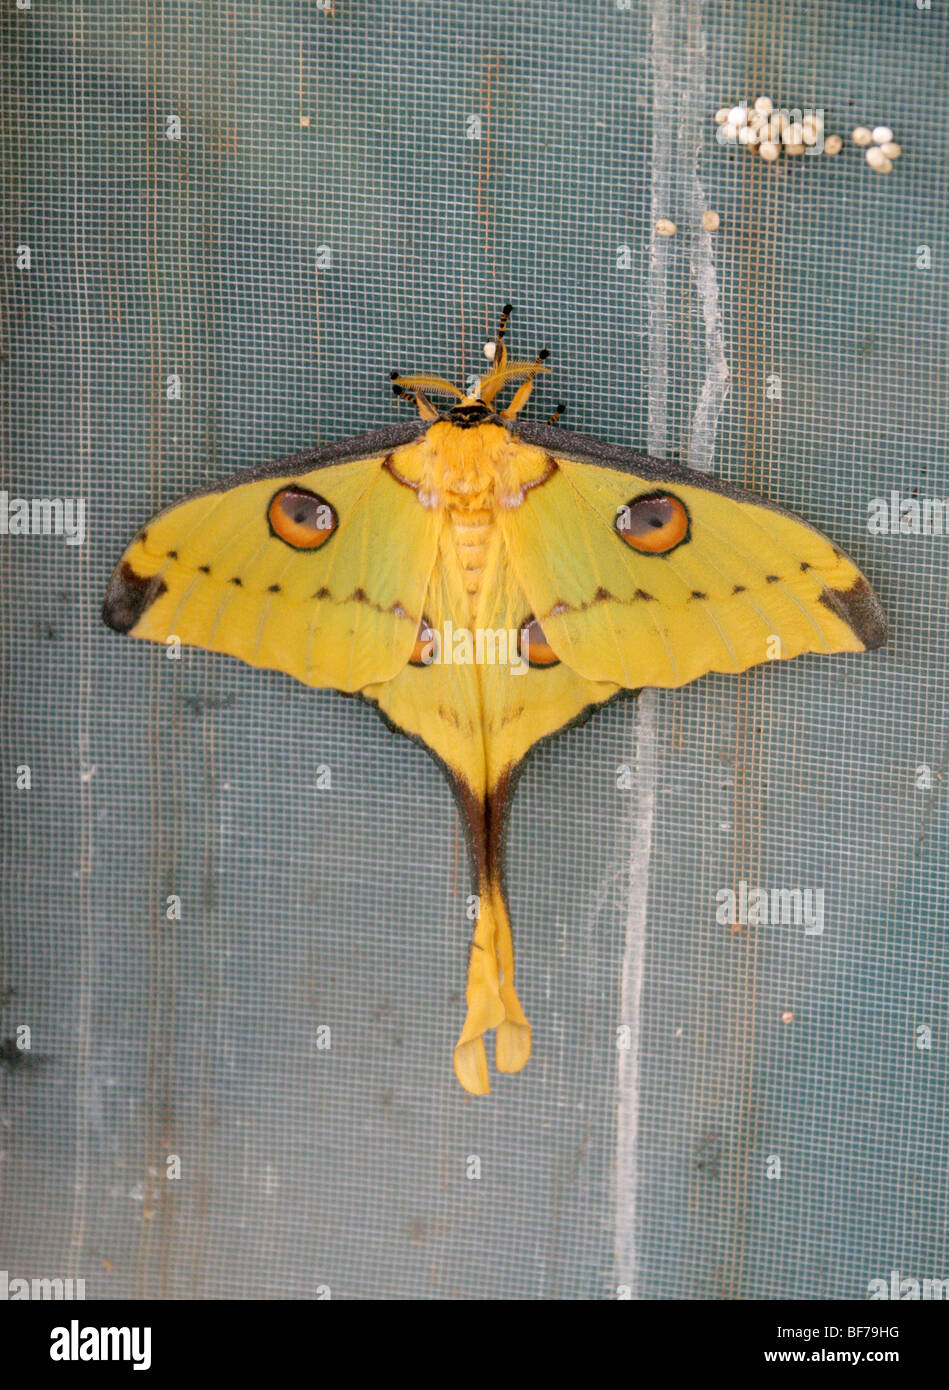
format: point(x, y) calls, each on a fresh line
point(128, 596)
point(861, 610)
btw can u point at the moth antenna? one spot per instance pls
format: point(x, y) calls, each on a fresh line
point(494, 383)
point(500, 351)
point(413, 388)
point(521, 366)
point(522, 394)
point(552, 419)
point(418, 398)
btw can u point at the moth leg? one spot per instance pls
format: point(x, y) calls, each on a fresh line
point(512, 1044)
point(485, 1007)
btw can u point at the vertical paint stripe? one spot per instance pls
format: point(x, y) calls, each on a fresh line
point(644, 761)
point(85, 769)
point(677, 193)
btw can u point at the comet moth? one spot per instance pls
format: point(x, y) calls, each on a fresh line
point(576, 569)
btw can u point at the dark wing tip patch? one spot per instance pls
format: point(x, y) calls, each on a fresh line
point(128, 595)
point(860, 609)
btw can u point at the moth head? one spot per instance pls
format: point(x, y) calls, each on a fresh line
point(475, 408)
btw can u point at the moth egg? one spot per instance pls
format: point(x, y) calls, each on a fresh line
point(764, 106)
point(490, 348)
point(721, 115)
point(729, 132)
point(666, 227)
point(795, 149)
point(877, 160)
point(769, 150)
point(747, 135)
point(755, 120)
point(862, 136)
point(779, 120)
point(833, 144)
point(810, 130)
point(738, 115)
point(710, 220)
point(891, 149)
point(787, 1016)
point(794, 134)
point(882, 135)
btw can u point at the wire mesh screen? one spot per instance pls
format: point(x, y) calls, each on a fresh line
point(224, 225)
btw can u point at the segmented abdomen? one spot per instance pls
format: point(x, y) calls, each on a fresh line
point(471, 528)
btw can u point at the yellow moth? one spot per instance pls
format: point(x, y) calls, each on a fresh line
point(573, 570)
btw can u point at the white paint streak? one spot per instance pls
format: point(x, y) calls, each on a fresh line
point(678, 103)
point(631, 988)
point(714, 387)
point(644, 802)
point(87, 1100)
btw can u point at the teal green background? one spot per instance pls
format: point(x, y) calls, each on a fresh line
point(280, 269)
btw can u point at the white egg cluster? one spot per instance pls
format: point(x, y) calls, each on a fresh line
point(881, 147)
point(766, 131)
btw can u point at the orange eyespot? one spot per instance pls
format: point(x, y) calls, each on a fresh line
point(655, 523)
point(534, 645)
point(301, 518)
point(425, 651)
